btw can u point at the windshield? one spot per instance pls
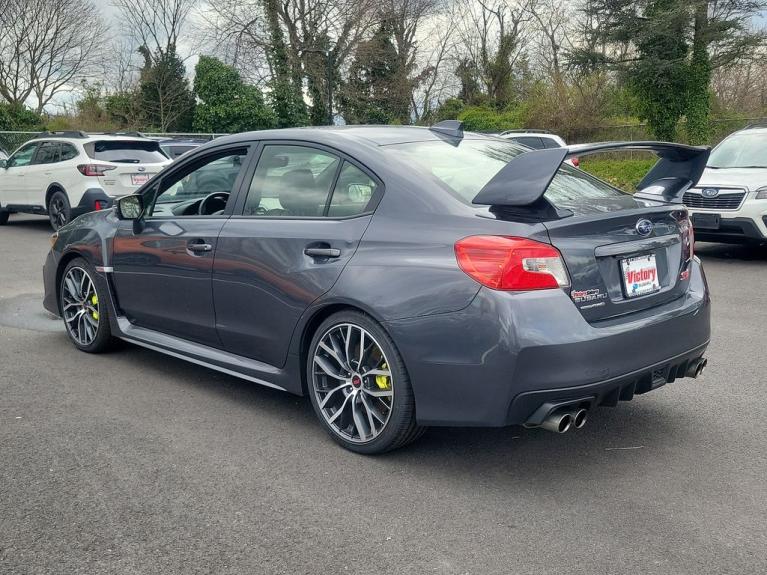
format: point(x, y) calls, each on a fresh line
point(465, 169)
point(742, 150)
point(126, 151)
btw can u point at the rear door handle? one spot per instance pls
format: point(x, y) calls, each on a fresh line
point(322, 252)
point(199, 247)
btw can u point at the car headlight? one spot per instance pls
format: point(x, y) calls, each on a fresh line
point(761, 193)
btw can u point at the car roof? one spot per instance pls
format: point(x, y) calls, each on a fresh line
point(367, 135)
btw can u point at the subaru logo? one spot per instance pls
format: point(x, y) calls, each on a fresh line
point(644, 227)
point(141, 169)
point(709, 192)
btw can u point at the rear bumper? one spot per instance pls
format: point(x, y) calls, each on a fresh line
point(88, 201)
point(496, 361)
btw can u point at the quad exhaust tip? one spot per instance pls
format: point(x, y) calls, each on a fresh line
point(558, 422)
point(563, 421)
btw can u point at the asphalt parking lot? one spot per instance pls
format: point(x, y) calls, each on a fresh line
point(134, 462)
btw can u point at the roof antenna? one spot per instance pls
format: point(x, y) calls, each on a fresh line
point(452, 128)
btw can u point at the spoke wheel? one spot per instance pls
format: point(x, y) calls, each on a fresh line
point(58, 210)
point(352, 383)
point(80, 306)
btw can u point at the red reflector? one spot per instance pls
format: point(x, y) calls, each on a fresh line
point(508, 263)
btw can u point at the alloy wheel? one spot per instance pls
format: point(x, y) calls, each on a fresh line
point(80, 306)
point(352, 383)
point(58, 212)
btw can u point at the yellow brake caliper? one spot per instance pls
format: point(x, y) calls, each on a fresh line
point(95, 302)
point(382, 381)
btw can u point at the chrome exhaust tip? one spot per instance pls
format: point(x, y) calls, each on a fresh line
point(558, 422)
point(580, 417)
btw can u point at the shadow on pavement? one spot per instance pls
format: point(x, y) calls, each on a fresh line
point(741, 252)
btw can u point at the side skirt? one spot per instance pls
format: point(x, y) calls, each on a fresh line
point(231, 364)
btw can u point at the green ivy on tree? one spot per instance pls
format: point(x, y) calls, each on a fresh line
point(226, 104)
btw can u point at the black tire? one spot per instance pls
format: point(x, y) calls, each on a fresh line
point(4, 215)
point(59, 210)
point(400, 427)
point(102, 339)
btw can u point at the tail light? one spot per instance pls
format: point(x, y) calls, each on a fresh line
point(576, 162)
point(688, 235)
point(99, 205)
point(94, 169)
point(513, 264)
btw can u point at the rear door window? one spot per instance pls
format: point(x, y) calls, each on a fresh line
point(291, 181)
point(126, 151)
point(47, 153)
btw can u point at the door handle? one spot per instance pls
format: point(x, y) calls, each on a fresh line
point(199, 247)
point(322, 252)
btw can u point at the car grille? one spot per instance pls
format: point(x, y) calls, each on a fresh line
point(724, 201)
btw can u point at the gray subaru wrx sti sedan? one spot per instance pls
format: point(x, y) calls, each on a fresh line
point(401, 277)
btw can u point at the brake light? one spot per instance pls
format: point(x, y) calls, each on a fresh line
point(94, 169)
point(512, 264)
point(688, 235)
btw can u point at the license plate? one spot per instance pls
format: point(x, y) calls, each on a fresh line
point(705, 221)
point(640, 275)
point(139, 179)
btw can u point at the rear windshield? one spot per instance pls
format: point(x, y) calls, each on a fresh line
point(126, 151)
point(463, 170)
point(743, 150)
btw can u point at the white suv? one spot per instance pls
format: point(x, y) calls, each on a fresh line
point(729, 203)
point(66, 174)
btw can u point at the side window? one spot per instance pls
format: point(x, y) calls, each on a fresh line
point(182, 193)
point(68, 152)
point(352, 193)
point(47, 153)
point(530, 141)
point(23, 157)
point(291, 181)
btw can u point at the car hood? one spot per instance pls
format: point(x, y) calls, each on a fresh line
point(749, 178)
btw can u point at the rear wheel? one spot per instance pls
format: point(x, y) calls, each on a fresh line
point(59, 210)
point(4, 215)
point(82, 301)
point(358, 385)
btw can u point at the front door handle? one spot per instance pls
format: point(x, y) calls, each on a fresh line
point(322, 252)
point(199, 247)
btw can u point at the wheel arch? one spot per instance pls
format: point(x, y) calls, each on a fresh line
point(53, 187)
point(62, 265)
point(314, 318)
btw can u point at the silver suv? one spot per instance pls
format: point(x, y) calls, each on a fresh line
point(729, 204)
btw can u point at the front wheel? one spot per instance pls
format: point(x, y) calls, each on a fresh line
point(59, 210)
point(83, 305)
point(358, 385)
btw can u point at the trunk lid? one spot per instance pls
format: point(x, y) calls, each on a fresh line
point(618, 262)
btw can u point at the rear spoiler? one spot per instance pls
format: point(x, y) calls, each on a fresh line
point(523, 181)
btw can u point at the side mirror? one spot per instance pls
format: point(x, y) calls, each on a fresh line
point(130, 207)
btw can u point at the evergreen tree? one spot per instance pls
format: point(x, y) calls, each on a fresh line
point(226, 104)
point(286, 95)
point(166, 101)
